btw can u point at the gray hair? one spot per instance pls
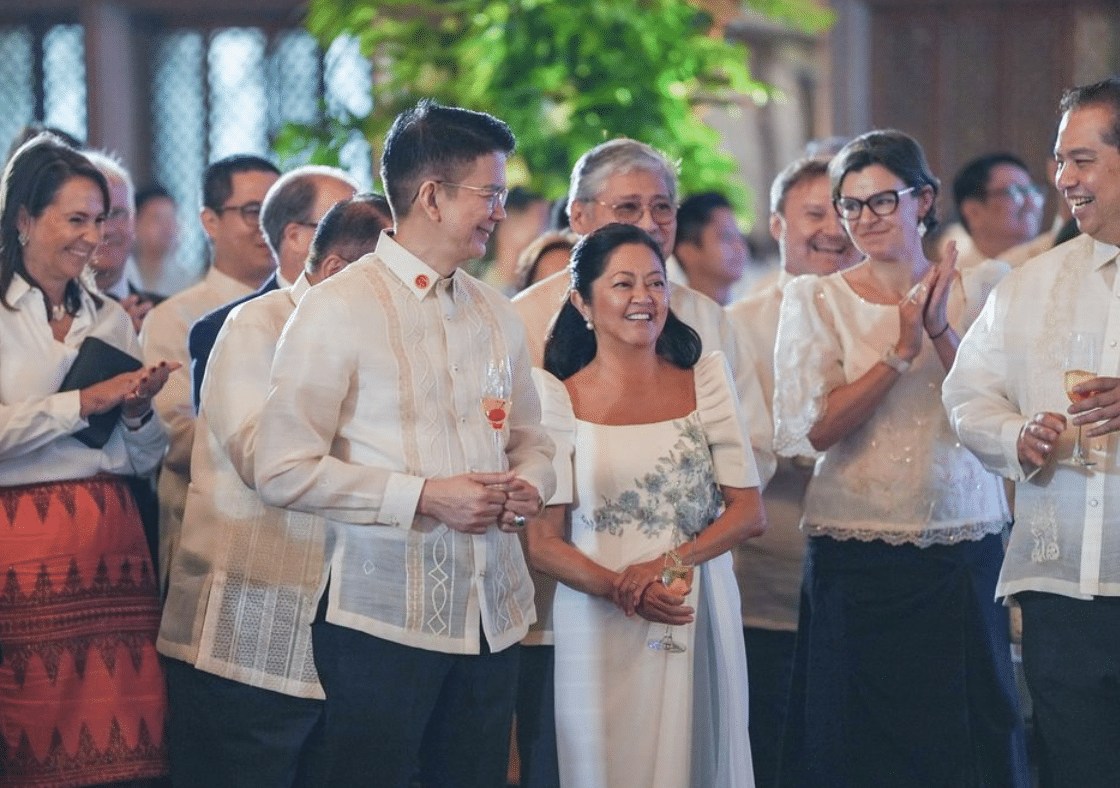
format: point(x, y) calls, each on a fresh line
point(113, 170)
point(800, 170)
point(291, 199)
point(615, 157)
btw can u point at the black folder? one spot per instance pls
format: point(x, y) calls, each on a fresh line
point(97, 361)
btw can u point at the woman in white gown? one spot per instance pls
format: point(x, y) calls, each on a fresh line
point(651, 437)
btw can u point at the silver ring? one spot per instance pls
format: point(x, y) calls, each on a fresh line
point(519, 521)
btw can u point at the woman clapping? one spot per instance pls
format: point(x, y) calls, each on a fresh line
point(902, 671)
point(81, 691)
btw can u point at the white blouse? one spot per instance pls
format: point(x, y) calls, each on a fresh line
point(902, 477)
point(37, 422)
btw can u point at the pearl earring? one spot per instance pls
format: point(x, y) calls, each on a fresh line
point(590, 325)
point(23, 239)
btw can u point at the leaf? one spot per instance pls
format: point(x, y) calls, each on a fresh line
point(565, 76)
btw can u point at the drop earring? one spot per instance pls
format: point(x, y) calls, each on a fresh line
point(590, 325)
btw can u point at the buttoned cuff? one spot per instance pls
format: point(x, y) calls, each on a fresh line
point(66, 406)
point(402, 496)
point(544, 479)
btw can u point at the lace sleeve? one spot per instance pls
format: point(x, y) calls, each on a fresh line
point(560, 424)
point(807, 365)
point(725, 423)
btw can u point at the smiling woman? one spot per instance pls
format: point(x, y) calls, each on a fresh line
point(663, 485)
point(902, 673)
point(79, 577)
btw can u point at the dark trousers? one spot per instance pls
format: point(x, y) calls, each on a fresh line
point(536, 718)
point(769, 670)
point(223, 732)
point(394, 713)
point(1071, 658)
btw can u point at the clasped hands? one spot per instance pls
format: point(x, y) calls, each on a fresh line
point(1039, 435)
point(474, 502)
point(638, 589)
point(133, 391)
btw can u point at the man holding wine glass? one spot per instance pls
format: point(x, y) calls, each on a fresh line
point(382, 417)
point(1050, 336)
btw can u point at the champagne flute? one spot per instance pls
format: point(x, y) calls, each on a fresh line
point(497, 385)
point(1081, 361)
point(674, 569)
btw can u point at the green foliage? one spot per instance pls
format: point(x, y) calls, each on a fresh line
point(564, 74)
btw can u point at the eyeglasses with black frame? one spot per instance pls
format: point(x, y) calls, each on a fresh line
point(661, 211)
point(1018, 193)
point(881, 204)
point(250, 211)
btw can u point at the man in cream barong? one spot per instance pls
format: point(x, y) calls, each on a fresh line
point(236, 628)
point(1007, 401)
point(375, 421)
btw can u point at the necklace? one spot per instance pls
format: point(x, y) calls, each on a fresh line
point(58, 312)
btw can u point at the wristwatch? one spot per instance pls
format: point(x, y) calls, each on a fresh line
point(133, 423)
point(891, 359)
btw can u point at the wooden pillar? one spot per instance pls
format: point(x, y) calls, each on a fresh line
point(115, 111)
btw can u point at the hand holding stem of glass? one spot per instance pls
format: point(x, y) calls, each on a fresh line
point(674, 569)
point(1075, 377)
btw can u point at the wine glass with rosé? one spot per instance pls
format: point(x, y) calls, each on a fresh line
point(674, 576)
point(1080, 364)
point(497, 385)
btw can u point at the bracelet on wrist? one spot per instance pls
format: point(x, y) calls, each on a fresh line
point(134, 423)
point(891, 359)
point(941, 332)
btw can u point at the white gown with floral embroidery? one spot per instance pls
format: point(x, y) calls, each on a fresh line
point(627, 715)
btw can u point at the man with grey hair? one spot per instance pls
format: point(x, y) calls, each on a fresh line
point(810, 241)
point(109, 264)
point(289, 215)
point(626, 181)
point(242, 591)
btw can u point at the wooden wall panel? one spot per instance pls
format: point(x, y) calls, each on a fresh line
point(970, 78)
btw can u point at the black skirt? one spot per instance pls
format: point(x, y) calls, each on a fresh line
point(902, 674)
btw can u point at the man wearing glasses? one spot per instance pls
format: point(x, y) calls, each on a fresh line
point(377, 419)
point(999, 205)
point(233, 189)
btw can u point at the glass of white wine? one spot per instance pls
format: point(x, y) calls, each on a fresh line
point(497, 385)
point(674, 569)
point(1080, 364)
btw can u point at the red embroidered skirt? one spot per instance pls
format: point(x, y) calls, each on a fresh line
point(82, 696)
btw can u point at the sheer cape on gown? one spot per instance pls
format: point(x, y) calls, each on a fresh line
point(628, 715)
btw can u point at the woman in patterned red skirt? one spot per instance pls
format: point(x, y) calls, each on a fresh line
point(81, 691)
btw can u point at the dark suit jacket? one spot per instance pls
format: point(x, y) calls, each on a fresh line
point(205, 330)
point(144, 295)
